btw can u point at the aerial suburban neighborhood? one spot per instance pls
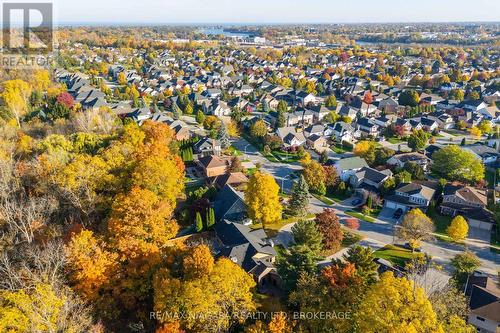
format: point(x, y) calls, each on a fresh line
point(253, 178)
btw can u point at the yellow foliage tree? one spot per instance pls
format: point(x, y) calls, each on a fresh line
point(198, 263)
point(262, 199)
point(475, 131)
point(393, 305)
point(41, 80)
point(140, 224)
point(211, 303)
point(365, 149)
point(458, 229)
point(315, 176)
point(16, 94)
point(90, 264)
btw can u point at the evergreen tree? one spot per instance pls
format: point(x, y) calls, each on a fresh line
point(306, 233)
point(463, 142)
point(323, 158)
point(223, 137)
point(362, 258)
point(211, 218)
point(300, 197)
point(199, 222)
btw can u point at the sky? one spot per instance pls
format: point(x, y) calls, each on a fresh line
point(273, 11)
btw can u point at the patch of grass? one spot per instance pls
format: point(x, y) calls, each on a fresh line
point(395, 140)
point(340, 149)
point(360, 216)
point(396, 254)
point(273, 229)
point(325, 200)
point(233, 151)
point(338, 196)
point(441, 222)
point(350, 238)
point(250, 171)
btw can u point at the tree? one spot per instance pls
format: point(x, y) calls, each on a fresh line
point(476, 132)
point(223, 137)
point(65, 99)
point(15, 96)
point(200, 117)
point(331, 176)
point(199, 222)
point(352, 223)
point(43, 308)
point(453, 163)
point(451, 307)
point(258, 129)
point(366, 150)
point(299, 197)
point(362, 258)
point(262, 199)
point(331, 102)
point(235, 165)
point(323, 157)
point(314, 174)
point(409, 98)
point(416, 227)
point(122, 79)
point(90, 264)
point(485, 126)
point(415, 170)
point(382, 155)
point(418, 140)
point(402, 177)
point(395, 305)
point(458, 228)
point(215, 296)
point(305, 233)
point(465, 263)
point(328, 224)
point(297, 260)
point(140, 225)
point(210, 218)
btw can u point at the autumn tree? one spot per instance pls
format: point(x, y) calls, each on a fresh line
point(328, 225)
point(90, 265)
point(465, 263)
point(15, 95)
point(258, 129)
point(366, 150)
point(458, 229)
point(140, 224)
point(409, 98)
point(416, 227)
point(262, 199)
point(314, 174)
point(213, 296)
point(394, 305)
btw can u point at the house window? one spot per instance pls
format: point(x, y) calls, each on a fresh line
point(480, 318)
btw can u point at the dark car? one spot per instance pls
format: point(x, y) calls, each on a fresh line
point(356, 202)
point(398, 213)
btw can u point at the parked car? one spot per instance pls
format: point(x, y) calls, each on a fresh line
point(398, 213)
point(356, 202)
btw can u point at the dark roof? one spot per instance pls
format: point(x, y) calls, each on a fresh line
point(226, 199)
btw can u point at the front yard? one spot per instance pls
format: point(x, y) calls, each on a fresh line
point(398, 255)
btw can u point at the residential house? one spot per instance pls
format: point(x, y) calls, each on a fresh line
point(400, 160)
point(290, 137)
point(316, 142)
point(407, 196)
point(487, 155)
point(484, 303)
point(251, 250)
point(229, 204)
point(342, 131)
point(212, 165)
point(347, 167)
point(235, 179)
point(367, 128)
point(207, 146)
point(369, 179)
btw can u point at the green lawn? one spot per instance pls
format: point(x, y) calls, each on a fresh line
point(324, 200)
point(441, 222)
point(273, 229)
point(394, 140)
point(395, 254)
point(338, 196)
point(340, 149)
point(233, 151)
point(360, 216)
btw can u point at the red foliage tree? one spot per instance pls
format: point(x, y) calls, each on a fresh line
point(352, 224)
point(328, 224)
point(368, 98)
point(65, 99)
